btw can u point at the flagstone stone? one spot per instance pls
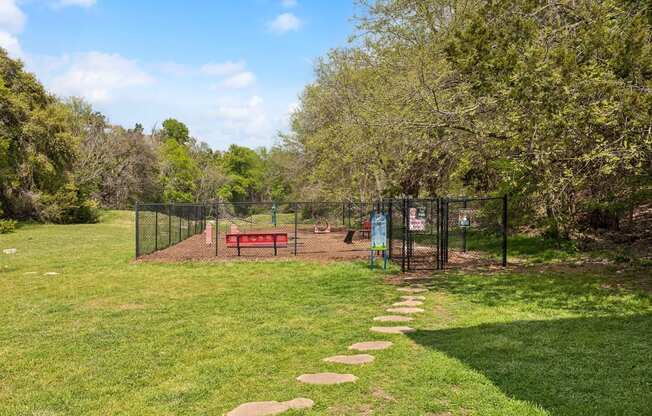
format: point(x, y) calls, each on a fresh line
point(411, 297)
point(405, 309)
point(393, 318)
point(270, 407)
point(350, 359)
point(412, 289)
point(408, 303)
point(392, 329)
point(371, 345)
point(327, 378)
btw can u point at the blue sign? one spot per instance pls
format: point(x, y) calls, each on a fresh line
point(379, 232)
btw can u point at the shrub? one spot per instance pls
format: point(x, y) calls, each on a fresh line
point(7, 226)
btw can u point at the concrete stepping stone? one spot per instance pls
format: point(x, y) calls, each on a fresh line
point(405, 309)
point(371, 345)
point(270, 408)
point(408, 303)
point(327, 378)
point(350, 359)
point(393, 318)
point(392, 329)
point(50, 274)
point(412, 289)
point(410, 297)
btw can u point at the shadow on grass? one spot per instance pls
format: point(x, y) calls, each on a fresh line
point(575, 366)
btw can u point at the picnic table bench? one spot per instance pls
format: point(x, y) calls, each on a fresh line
point(257, 240)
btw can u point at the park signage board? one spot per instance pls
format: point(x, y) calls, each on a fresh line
point(417, 223)
point(464, 219)
point(378, 232)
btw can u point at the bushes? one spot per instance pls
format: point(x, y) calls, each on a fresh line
point(67, 206)
point(7, 226)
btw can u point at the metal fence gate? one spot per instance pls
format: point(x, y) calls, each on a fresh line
point(439, 233)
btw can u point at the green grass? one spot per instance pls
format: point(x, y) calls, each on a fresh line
point(520, 248)
point(108, 336)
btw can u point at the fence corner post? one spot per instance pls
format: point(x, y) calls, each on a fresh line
point(296, 225)
point(137, 233)
point(505, 230)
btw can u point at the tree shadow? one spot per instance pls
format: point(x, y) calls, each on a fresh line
point(575, 366)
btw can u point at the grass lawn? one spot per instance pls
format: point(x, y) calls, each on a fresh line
point(107, 336)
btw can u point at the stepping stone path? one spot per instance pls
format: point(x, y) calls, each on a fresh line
point(405, 310)
point(410, 297)
point(393, 318)
point(392, 329)
point(270, 408)
point(327, 378)
point(371, 345)
point(408, 303)
point(412, 289)
point(350, 359)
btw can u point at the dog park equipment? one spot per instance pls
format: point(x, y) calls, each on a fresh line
point(209, 234)
point(364, 231)
point(378, 225)
point(322, 226)
point(257, 240)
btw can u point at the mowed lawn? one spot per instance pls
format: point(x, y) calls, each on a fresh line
point(107, 336)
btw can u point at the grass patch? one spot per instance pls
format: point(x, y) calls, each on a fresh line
point(107, 336)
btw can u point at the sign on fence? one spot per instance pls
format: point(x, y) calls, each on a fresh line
point(465, 218)
point(417, 223)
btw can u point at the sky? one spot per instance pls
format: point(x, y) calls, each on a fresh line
point(232, 70)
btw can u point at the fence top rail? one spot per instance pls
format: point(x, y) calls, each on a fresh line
point(197, 204)
point(483, 198)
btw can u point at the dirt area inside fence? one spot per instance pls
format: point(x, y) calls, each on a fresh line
point(309, 245)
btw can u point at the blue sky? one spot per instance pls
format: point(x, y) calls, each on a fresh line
point(231, 70)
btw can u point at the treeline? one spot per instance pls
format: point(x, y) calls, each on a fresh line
point(548, 102)
point(60, 160)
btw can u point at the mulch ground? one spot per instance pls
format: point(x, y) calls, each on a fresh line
point(323, 247)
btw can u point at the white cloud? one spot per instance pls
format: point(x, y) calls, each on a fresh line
point(239, 80)
point(79, 3)
point(288, 3)
point(285, 22)
point(99, 77)
point(222, 68)
point(11, 45)
point(12, 19)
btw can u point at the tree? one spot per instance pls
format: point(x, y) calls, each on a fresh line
point(174, 129)
point(38, 149)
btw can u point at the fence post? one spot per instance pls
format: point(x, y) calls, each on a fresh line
point(389, 227)
point(156, 229)
point(217, 226)
point(180, 221)
point(405, 235)
point(438, 222)
point(464, 231)
point(296, 224)
point(169, 225)
point(137, 231)
point(505, 230)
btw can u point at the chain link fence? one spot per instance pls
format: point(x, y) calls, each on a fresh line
point(159, 226)
point(423, 234)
